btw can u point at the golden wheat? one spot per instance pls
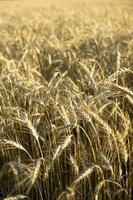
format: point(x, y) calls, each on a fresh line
point(66, 99)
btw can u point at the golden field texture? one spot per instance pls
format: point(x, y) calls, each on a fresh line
point(66, 100)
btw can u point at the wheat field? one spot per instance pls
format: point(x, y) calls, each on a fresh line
point(66, 100)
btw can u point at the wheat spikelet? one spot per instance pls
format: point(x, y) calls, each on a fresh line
point(70, 193)
point(56, 80)
point(118, 61)
point(118, 141)
point(100, 185)
point(116, 74)
point(24, 119)
point(109, 132)
point(62, 147)
point(127, 125)
point(74, 164)
point(116, 87)
point(87, 71)
point(113, 77)
point(17, 197)
point(122, 147)
point(36, 171)
point(64, 115)
point(9, 144)
point(66, 142)
point(31, 127)
point(13, 169)
point(57, 152)
point(86, 174)
point(130, 99)
point(107, 163)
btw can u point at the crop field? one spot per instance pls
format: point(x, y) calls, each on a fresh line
point(66, 100)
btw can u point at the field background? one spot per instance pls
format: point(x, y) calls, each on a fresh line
point(66, 100)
